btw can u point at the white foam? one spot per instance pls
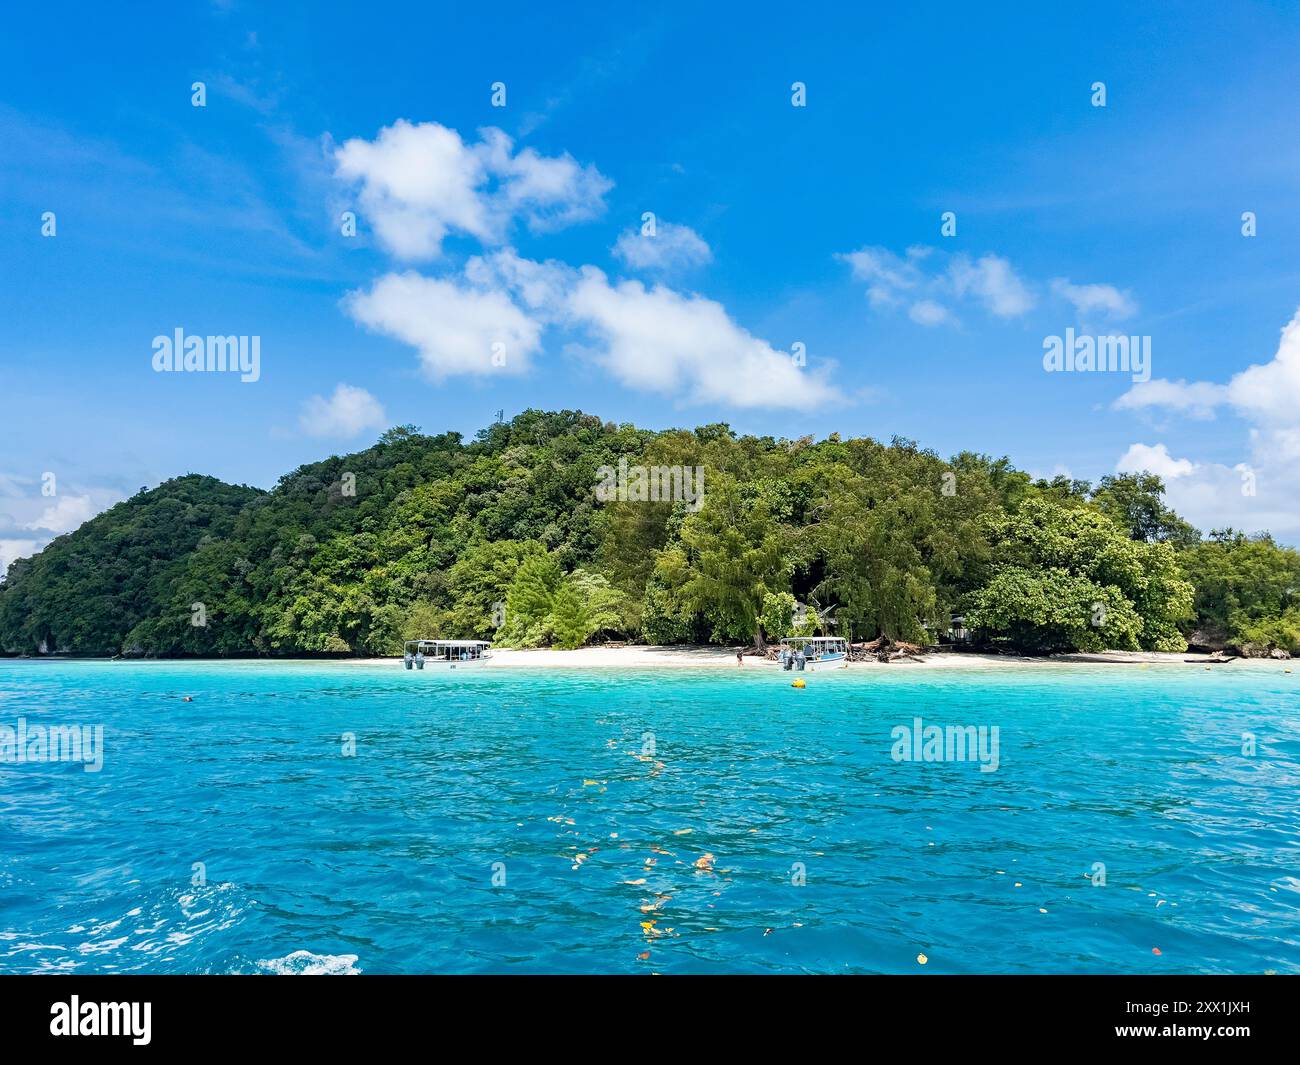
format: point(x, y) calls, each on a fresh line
point(305, 963)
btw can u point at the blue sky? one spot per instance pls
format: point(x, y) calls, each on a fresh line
point(775, 224)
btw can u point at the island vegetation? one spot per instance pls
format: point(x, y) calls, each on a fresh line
point(505, 537)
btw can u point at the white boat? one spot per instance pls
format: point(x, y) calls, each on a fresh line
point(446, 654)
point(813, 653)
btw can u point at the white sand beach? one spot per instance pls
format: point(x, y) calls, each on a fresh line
point(645, 656)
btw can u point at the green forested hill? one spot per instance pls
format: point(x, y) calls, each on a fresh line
point(89, 588)
point(507, 537)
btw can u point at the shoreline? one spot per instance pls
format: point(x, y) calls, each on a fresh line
point(648, 656)
point(645, 656)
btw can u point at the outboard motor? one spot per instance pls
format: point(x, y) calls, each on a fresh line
point(419, 660)
point(799, 661)
point(407, 659)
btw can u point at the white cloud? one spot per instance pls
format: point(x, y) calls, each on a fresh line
point(30, 520)
point(927, 312)
point(12, 550)
point(672, 247)
point(1213, 498)
point(1196, 399)
point(1096, 299)
point(989, 281)
point(1143, 458)
point(655, 339)
point(888, 276)
point(993, 282)
point(66, 514)
point(553, 192)
point(662, 341)
point(1263, 493)
point(456, 328)
point(349, 411)
point(1209, 494)
point(417, 182)
point(1270, 393)
point(1265, 393)
point(893, 280)
point(541, 287)
point(420, 182)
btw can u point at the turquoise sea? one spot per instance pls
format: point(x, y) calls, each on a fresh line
point(675, 821)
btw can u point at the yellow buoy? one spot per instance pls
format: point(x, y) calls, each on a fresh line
point(798, 683)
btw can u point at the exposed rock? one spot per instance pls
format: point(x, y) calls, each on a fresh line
point(1208, 640)
point(1278, 653)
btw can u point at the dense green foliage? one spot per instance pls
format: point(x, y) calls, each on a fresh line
point(1247, 590)
point(1068, 577)
point(91, 587)
point(505, 537)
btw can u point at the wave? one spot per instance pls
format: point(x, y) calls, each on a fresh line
point(305, 963)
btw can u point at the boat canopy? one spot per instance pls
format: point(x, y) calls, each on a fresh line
point(816, 641)
point(448, 650)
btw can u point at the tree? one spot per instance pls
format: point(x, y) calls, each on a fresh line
point(430, 535)
point(531, 600)
point(478, 584)
point(1136, 501)
point(603, 606)
point(1247, 591)
point(777, 618)
point(568, 620)
point(545, 605)
point(87, 590)
point(1068, 578)
point(729, 557)
point(1053, 610)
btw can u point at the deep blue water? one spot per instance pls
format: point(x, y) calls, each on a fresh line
point(700, 793)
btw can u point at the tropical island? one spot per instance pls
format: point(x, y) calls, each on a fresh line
point(531, 535)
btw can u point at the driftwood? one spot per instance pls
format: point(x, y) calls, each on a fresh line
point(883, 649)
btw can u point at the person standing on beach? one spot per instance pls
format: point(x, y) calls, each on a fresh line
point(740, 656)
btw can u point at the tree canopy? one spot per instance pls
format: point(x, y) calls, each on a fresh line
point(505, 537)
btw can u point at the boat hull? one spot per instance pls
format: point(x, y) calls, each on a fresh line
point(443, 664)
point(819, 665)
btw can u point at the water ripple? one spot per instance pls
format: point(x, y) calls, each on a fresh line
point(307, 818)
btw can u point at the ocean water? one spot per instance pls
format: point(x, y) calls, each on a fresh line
point(363, 819)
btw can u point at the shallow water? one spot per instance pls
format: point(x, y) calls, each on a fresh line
point(717, 789)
